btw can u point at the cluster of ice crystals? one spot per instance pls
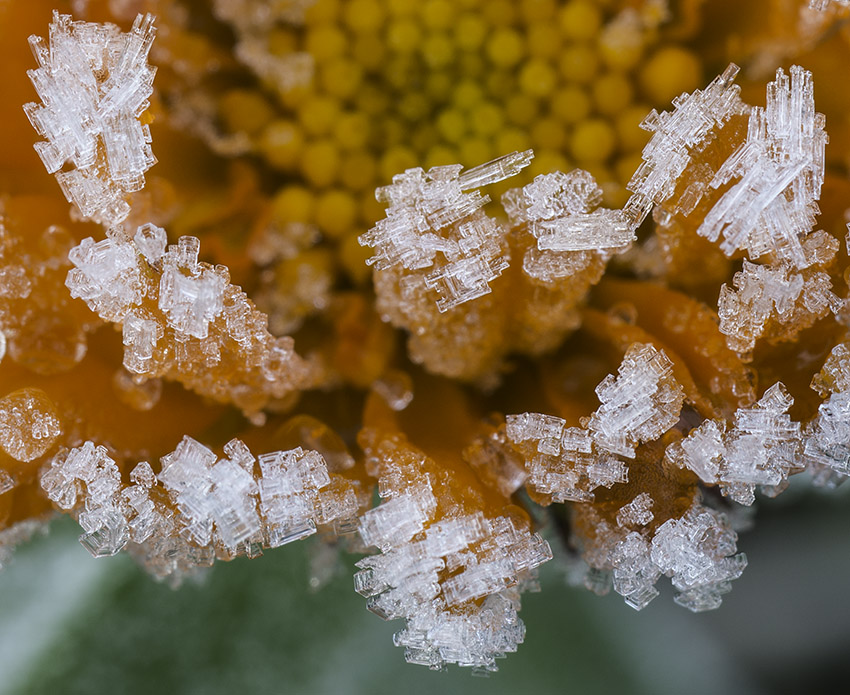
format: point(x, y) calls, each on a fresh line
point(637, 512)
point(94, 83)
point(635, 574)
point(826, 448)
point(824, 4)
point(762, 448)
point(105, 276)
point(182, 319)
point(440, 212)
point(639, 404)
point(778, 175)
point(677, 136)
point(434, 576)
point(559, 211)
point(564, 462)
point(698, 553)
point(773, 301)
point(297, 494)
point(202, 505)
point(88, 477)
point(29, 424)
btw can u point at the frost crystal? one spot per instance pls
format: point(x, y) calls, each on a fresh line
point(484, 558)
point(762, 448)
point(89, 473)
point(557, 208)
point(182, 319)
point(223, 508)
point(94, 83)
point(778, 174)
point(639, 404)
point(637, 512)
point(441, 212)
point(773, 301)
point(697, 552)
point(563, 461)
point(827, 442)
point(677, 136)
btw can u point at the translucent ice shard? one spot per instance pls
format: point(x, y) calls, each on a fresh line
point(559, 210)
point(698, 553)
point(762, 448)
point(776, 176)
point(435, 221)
point(94, 83)
point(639, 404)
point(777, 301)
point(676, 136)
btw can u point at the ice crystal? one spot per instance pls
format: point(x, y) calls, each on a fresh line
point(773, 301)
point(441, 212)
point(777, 173)
point(182, 318)
point(639, 404)
point(559, 211)
point(676, 137)
point(485, 558)
point(216, 506)
point(762, 448)
point(94, 83)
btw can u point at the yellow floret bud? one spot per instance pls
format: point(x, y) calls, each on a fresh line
point(533, 11)
point(293, 204)
point(505, 48)
point(629, 132)
point(318, 114)
point(352, 130)
point(437, 50)
point(593, 140)
point(548, 133)
point(336, 212)
point(437, 14)
point(499, 13)
point(369, 51)
point(324, 42)
point(358, 170)
point(470, 30)
point(467, 94)
point(404, 36)
point(578, 64)
point(341, 78)
point(544, 40)
point(512, 140)
point(580, 20)
point(612, 93)
point(537, 78)
point(363, 16)
point(487, 119)
point(395, 160)
point(474, 151)
point(452, 125)
point(281, 144)
point(669, 72)
point(320, 163)
point(570, 104)
point(521, 109)
point(245, 111)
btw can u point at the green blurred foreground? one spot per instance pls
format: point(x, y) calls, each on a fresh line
point(70, 624)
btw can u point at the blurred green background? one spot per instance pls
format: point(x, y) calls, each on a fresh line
point(70, 624)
